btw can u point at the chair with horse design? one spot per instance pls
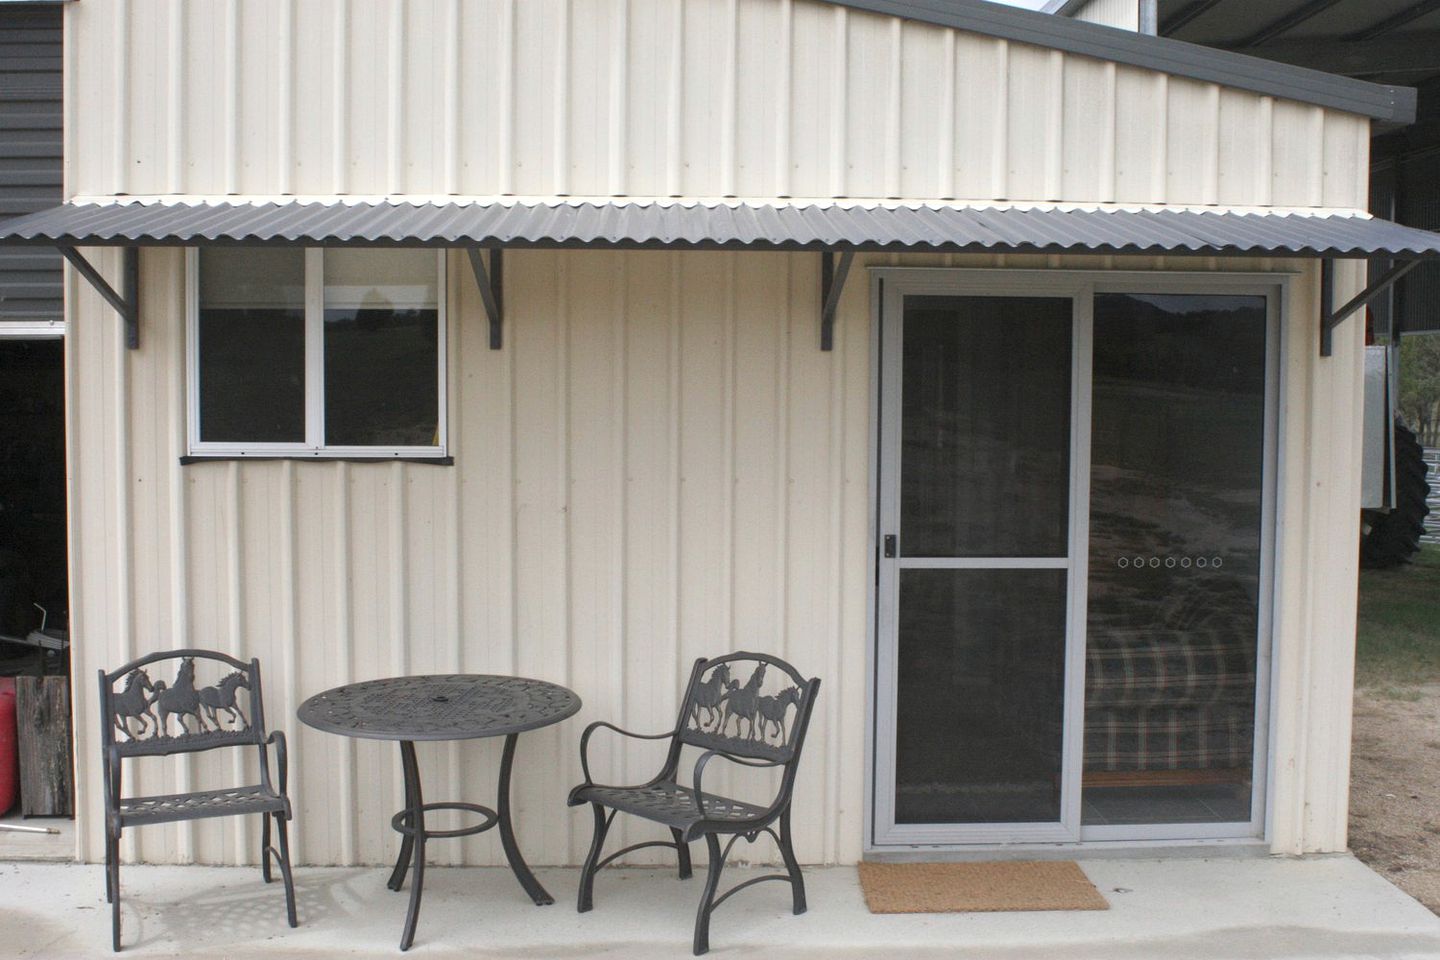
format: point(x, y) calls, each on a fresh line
point(148, 717)
point(746, 722)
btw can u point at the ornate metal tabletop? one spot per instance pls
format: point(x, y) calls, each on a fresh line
point(439, 707)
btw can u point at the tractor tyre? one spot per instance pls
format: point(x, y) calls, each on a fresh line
point(1388, 539)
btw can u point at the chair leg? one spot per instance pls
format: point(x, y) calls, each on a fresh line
point(112, 876)
point(792, 866)
point(109, 859)
point(265, 847)
point(282, 829)
point(586, 900)
point(707, 898)
point(683, 849)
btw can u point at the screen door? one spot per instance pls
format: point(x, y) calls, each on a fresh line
point(981, 409)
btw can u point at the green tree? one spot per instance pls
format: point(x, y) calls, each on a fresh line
point(1420, 385)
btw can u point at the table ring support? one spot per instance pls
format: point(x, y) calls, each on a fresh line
point(400, 823)
point(410, 823)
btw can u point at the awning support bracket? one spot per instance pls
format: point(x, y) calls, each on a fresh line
point(492, 291)
point(126, 303)
point(1330, 318)
point(832, 284)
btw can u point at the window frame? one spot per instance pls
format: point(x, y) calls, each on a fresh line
point(313, 446)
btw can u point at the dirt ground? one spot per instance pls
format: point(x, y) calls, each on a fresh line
point(1395, 787)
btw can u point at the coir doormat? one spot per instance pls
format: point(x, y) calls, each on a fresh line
point(978, 887)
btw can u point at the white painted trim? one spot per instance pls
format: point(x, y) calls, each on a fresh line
point(313, 445)
point(28, 330)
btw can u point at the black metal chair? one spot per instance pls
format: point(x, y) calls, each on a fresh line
point(154, 718)
point(758, 704)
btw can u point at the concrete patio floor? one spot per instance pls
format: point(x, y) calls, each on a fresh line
point(1225, 909)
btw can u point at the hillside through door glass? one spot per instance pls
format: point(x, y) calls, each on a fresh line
point(983, 546)
point(1176, 498)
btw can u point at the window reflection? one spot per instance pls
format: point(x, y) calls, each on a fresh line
point(381, 348)
point(251, 350)
point(1176, 488)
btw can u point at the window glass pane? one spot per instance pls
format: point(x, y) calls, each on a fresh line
point(381, 348)
point(1176, 488)
point(251, 346)
point(985, 435)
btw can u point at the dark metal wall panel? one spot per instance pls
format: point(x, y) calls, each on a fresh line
point(31, 167)
point(1382, 204)
point(1417, 203)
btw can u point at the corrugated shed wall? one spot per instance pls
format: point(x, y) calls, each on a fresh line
point(30, 164)
point(660, 464)
point(652, 97)
point(1122, 14)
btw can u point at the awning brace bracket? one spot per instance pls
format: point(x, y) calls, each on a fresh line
point(832, 284)
point(127, 303)
point(492, 291)
point(1330, 318)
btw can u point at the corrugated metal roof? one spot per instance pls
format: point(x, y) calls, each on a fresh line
point(694, 224)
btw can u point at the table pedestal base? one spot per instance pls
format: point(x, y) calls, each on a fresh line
point(410, 823)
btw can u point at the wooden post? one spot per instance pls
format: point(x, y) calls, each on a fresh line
point(42, 715)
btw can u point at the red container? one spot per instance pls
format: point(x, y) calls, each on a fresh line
point(9, 750)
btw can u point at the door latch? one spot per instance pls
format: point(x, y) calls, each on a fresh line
point(889, 545)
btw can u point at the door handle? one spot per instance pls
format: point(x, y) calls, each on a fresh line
point(889, 545)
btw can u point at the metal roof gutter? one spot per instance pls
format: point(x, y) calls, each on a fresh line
point(1175, 57)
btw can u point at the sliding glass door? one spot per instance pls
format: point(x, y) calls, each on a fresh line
point(1072, 558)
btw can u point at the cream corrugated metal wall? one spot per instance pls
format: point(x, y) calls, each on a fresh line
point(660, 464)
point(755, 98)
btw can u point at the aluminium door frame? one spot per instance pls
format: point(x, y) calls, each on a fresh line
point(1276, 287)
point(900, 284)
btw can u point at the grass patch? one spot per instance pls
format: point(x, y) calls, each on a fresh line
point(1397, 644)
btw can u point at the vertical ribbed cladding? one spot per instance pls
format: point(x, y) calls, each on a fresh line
point(694, 97)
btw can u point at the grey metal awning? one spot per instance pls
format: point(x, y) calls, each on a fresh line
point(831, 227)
point(723, 224)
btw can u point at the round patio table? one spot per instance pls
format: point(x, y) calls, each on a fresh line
point(443, 707)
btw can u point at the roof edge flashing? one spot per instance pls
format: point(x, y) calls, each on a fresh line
point(1392, 104)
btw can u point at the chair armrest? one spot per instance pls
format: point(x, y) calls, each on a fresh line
point(709, 755)
point(282, 759)
point(598, 724)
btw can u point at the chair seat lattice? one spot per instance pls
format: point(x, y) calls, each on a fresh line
point(136, 811)
point(669, 803)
